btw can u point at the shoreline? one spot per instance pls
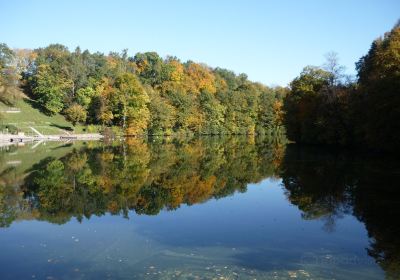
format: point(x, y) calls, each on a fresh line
point(22, 138)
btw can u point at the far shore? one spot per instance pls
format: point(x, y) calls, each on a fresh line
point(22, 138)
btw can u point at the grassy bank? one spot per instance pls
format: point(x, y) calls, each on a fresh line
point(31, 116)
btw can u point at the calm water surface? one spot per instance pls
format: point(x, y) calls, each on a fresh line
point(209, 208)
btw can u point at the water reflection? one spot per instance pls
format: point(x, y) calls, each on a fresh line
point(137, 175)
point(140, 177)
point(327, 185)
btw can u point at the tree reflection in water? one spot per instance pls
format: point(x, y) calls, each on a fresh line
point(139, 175)
point(148, 176)
point(329, 184)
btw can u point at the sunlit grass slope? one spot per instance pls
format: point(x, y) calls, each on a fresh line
point(31, 116)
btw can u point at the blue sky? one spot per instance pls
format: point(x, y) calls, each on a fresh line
point(270, 41)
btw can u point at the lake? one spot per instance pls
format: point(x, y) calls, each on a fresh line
point(199, 208)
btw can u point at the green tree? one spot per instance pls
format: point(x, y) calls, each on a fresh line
point(214, 113)
point(131, 104)
point(302, 105)
point(162, 115)
point(84, 96)
point(189, 117)
point(150, 67)
point(379, 89)
point(49, 89)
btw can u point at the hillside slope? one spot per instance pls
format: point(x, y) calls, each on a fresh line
point(30, 116)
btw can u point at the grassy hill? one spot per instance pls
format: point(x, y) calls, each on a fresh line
point(31, 116)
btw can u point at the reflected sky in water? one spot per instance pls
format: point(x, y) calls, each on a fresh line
point(267, 213)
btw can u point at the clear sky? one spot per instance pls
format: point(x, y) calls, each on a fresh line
point(270, 41)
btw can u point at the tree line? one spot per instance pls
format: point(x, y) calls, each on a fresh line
point(323, 107)
point(146, 94)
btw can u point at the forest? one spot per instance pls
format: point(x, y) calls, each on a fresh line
point(325, 107)
point(149, 95)
point(144, 94)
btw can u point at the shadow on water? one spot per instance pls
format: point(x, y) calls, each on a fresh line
point(328, 185)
